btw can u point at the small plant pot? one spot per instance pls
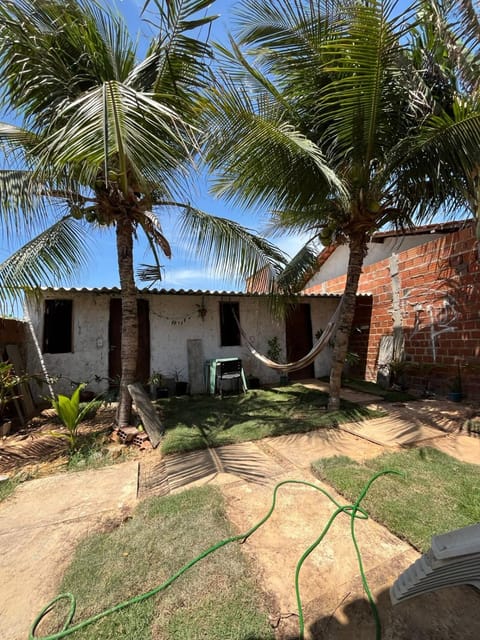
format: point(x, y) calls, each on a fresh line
point(283, 379)
point(253, 382)
point(181, 388)
point(455, 396)
point(161, 392)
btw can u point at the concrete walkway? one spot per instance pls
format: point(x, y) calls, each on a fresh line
point(41, 524)
point(40, 527)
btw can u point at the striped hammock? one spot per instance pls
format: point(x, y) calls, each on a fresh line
point(321, 343)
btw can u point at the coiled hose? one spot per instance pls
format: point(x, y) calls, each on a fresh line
point(354, 511)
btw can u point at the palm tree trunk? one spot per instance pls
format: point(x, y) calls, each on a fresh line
point(358, 246)
point(129, 338)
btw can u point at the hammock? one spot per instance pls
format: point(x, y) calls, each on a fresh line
point(321, 343)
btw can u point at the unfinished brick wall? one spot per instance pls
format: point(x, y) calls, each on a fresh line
point(432, 293)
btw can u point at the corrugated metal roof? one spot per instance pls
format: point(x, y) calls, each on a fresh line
point(178, 292)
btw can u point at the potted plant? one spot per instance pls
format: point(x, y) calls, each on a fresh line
point(274, 352)
point(253, 382)
point(456, 387)
point(181, 386)
point(9, 382)
point(159, 388)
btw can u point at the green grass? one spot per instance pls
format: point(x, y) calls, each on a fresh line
point(438, 493)
point(216, 600)
point(7, 487)
point(93, 453)
point(195, 422)
point(389, 395)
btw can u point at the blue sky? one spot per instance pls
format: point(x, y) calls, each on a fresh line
point(182, 270)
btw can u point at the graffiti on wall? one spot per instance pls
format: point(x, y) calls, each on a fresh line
point(435, 311)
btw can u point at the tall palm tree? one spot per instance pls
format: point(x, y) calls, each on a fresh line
point(322, 117)
point(447, 44)
point(105, 140)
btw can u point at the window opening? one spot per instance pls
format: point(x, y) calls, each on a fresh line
point(57, 331)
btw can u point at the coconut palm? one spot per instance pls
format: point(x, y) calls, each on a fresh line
point(323, 117)
point(447, 44)
point(104, 141)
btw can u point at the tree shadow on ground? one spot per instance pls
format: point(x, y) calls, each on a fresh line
point(210, 421)
point(446, 614)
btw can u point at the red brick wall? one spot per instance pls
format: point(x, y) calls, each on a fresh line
point(439, 306)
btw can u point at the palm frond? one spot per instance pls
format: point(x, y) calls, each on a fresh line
point(49, 259)
point(289, 29)
point(151, 273)
point(70, 47)
point(122, 123)
point(226, 247)
point(468, 20)
point(22, 202)
point(456, 28)
point(152, 227)
point(177, 63)
point(258, 157)
point(13, 138)
point(361, 102)
point(435, 169)
point(298, 271)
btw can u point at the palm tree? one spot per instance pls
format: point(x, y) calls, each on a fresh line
point(447, 45)
point(322, 117)
point(105, 140)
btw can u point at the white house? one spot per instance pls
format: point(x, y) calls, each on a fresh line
point(77, 333)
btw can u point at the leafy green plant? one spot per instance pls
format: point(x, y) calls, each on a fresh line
point(7, 487)
point(71, 413)
point(9, 382)
point(156, 379)
point(274, 349)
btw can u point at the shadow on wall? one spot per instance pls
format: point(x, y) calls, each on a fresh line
point(441, 332)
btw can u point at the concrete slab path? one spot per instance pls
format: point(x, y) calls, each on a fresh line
point(40, 527)
point(41, 524)
point(334, 602)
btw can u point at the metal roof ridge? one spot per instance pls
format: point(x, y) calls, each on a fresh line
point(172, 291)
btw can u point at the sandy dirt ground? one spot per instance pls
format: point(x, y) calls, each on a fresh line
point(41, 524)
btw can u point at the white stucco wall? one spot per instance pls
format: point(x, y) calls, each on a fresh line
point(89, 341)
point(322, 310)
point(174, 319)
point(336, 264)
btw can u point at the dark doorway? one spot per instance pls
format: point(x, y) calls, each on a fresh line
point(114, 340)
point(298, 334)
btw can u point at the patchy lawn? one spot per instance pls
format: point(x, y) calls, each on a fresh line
point(216, 599)
point(195, 422)
point(437, 494)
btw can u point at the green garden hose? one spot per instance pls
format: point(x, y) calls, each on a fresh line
point(353, 511)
